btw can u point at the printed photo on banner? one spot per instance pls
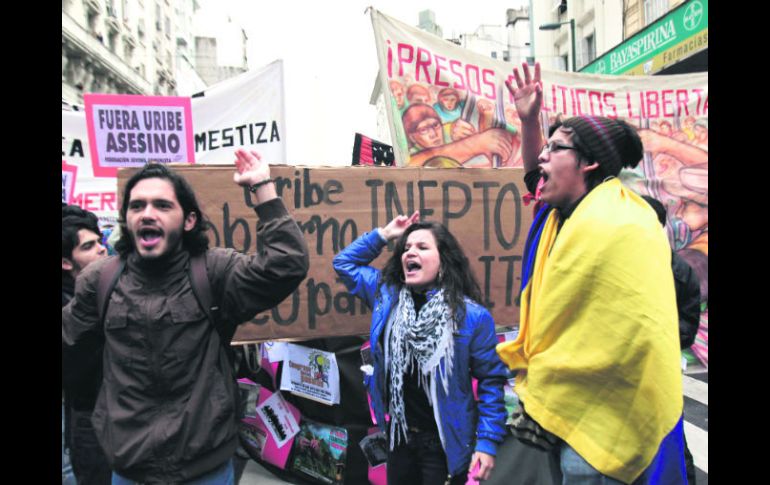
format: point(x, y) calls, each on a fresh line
point(132, 130)
point(312, 374)
point(278, 419)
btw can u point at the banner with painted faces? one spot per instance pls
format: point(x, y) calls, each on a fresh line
point(449, 107)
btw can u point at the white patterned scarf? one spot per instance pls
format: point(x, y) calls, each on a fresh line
point(424, 340)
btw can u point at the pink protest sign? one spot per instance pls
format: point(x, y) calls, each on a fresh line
point(132, 130)
point(68, 175)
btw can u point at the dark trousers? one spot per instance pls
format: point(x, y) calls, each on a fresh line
point(88, 460)
point(421, 461)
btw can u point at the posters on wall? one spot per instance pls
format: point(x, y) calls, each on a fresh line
point(320, 451)
point(311, 373)
point(448, 107)
point(278, 419)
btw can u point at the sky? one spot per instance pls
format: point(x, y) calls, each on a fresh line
point(330, 62)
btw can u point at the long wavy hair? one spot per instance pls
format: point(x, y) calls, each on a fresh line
point(455, 275)
point(195, 241)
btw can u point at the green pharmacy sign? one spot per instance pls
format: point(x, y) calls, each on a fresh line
point(676, 36)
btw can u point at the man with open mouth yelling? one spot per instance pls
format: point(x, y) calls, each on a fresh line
point(165, 310)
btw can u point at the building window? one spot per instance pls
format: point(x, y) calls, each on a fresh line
point(494, 55)
point(654, 9)
point(589, 49)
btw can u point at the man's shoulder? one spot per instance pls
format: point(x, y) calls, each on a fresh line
point(93, 270)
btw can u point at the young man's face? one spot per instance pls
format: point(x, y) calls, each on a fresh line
point(428, 133)
point(155, 219)
point(88, 250)
point(563, 175)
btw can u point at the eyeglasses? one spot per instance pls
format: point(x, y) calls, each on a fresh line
point(553, 146)
point(428, 128)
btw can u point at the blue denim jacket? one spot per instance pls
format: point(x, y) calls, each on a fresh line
point(462, 422)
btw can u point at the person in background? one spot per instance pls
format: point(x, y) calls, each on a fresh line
point(81, 377)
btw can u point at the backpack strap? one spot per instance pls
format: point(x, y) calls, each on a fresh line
point(201, 285)
point(108, 278)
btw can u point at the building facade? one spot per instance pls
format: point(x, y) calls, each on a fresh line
point(630, 37)
point(147, 47)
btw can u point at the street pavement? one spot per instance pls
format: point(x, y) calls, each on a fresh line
point(696, 430)
point(695, 383)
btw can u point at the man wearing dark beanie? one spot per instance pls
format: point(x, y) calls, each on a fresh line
point(597, 353)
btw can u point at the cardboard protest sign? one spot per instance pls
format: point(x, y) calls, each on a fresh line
point(127, 130)
point(333, 206)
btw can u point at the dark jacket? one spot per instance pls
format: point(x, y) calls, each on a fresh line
point(166, 409)
point(687, 287)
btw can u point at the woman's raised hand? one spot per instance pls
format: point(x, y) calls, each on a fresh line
point(398, 225)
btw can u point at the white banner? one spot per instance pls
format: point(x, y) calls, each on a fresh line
point(244, 111)
point(311, 373)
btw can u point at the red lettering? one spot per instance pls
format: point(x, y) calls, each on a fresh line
point(609, 102)
point(452, 65)
point(572, 98)
point(88, 202)
point(597, 97)
point(630, 106)
point(698, 92)
point(468, 70)
point(577, 101)
point(96, 201)
point(439, 68)
point(422, 61)
point(563, 90)
point(109, 200)
point(402, 49)
point(667, 102)
point(705, 111)
point(390, 61)
point(682, 99)
point(653, 109)
point(490, 83)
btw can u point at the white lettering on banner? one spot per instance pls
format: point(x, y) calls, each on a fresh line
point(655, 39)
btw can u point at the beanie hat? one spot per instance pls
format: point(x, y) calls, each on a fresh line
point(613, 144)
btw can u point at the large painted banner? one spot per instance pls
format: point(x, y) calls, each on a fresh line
point(448, 107)
point(244, 111)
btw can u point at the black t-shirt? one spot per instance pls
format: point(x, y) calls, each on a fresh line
point(419, 413)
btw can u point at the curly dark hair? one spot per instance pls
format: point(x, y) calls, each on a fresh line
point(455, 275)
point(195, 241)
